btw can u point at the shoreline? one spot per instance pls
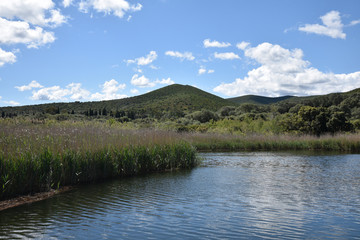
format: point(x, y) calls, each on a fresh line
point(27, 199)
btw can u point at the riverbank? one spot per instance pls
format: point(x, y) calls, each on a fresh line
point(18, 201)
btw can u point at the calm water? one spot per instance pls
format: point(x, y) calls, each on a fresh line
point(230, 196)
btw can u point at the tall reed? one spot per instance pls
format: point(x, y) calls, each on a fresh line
point(35, 158)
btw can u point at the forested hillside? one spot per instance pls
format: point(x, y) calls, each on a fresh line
point(186, 108)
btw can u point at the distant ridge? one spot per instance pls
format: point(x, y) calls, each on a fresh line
point(254, 99)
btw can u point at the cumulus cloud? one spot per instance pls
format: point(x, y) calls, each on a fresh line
point(33, 84)
point(56, 93)
point(226, 56)
point(23, 22)
point(110, 90)
point(141, 81)
point(208, 43)
point(6, 57)
point(42, 13)
point(74, 91)
point(51, 93)
point(13, 32)
point(332, 26)
point(141, 61)
point(285, 72)
point(116, 7)
point(182, 56)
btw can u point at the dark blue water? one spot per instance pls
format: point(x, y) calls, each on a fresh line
point(230, 196)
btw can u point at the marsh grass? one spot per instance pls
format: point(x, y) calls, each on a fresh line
point(35, 158)
point(218, 142)
point(39, 157)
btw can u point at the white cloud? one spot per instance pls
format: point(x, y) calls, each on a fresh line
point(208, 43)
point(134, 91)
point(355, 22)
point(55, 93)
point(110, 91)
point(36, 12)
point(201, 71)
point(243, 45)
point(167, 81)
point(67, 3)
point(13, 32)
point(141, 61)
point(226, 56)
point(11, 103)
point(6, 57)
point(33, 84)
point(76, 92)
point(116, 7)
point(182, 56)
point(141, 81)
point(332, 26)
point(284, 72)
point(51, 93)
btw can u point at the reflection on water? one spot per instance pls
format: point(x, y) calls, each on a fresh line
point(231, 195)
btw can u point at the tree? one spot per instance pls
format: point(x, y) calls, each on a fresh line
point(338, 122)
point(204, 116)
point(104, 112)
point(226, 111)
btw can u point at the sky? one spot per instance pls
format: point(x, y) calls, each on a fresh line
point(93, 50)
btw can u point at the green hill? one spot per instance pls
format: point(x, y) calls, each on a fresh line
point(174, 98)
point(254, 99)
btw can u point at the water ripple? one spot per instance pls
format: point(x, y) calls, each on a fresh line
point(231, 196)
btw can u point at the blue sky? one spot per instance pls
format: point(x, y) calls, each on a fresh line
point(90, 50)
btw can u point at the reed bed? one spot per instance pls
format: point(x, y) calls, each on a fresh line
point(35, 158)
point(349, 143)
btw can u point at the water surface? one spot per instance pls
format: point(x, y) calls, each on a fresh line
point(230, 196)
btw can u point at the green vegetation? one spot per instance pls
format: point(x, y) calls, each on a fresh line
point(47, 146)
point(188, 109)
point(37, 158)
point(258, 99)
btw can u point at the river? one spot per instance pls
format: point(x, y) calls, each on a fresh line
point(263, 195)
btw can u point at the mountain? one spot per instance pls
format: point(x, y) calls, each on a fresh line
point(254, 99)
point(173, 98)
